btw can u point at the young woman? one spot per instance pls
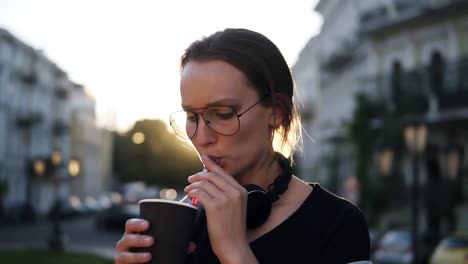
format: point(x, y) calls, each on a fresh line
point(238, 111)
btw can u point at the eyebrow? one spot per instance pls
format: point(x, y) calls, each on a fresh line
point(220, 102)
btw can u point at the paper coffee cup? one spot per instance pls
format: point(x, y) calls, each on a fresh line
point(171, 226)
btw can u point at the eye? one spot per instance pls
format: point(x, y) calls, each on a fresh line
point(222, 113)
point(191, 117)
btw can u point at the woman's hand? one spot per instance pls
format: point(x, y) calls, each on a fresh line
point(132, 239)
point(225, 203)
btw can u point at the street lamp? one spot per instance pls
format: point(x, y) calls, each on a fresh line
point(451, 158)
point(415, 134)
point(384, 155)
point(39, 167)
point(74, 167)
point(58, 237)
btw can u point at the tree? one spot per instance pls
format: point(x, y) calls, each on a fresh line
point(159, 158)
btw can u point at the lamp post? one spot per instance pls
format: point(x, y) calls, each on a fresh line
point(415, 134)
point(57, 239)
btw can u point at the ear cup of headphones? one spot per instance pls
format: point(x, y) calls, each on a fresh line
point(258, 205)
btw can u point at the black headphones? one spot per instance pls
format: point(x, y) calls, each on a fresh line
point(260, 202)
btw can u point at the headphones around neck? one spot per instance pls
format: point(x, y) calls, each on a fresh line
point(260, 202)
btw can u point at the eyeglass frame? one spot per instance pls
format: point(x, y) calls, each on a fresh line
point(197, 114)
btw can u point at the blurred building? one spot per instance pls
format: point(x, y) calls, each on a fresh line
point(327, 76)
point(43, 112)
point(91, 145)
point(406, 56)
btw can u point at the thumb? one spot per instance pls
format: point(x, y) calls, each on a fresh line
point(191, 248)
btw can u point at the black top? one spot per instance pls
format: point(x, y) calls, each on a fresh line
point(324, 229)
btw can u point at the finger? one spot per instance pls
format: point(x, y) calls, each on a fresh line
point(207, 186)
point(128, 258)
point(222, 181)
point(136, 225)
point(204, 198)
point(211, 166)
point(220, 186)
point(133, 240)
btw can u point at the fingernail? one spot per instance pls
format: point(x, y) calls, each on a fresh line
point(147, 256)
point(143, 225)
point(148, 240)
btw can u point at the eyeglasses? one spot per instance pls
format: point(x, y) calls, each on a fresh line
point(223, 120)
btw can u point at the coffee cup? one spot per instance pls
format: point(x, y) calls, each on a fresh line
point(171, 226)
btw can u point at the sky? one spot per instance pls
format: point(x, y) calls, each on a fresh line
point(126, 53)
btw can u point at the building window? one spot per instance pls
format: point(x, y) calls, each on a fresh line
point(436, 73)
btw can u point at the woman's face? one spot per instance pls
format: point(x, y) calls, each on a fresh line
point(217, 83)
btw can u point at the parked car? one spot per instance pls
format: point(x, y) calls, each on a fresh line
point(19, 212)
point(394, 247)
point(64, 208)
point(116, 215)
point(451, 250)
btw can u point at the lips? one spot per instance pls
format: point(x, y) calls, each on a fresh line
point(217, 160)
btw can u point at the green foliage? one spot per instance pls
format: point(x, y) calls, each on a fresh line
point(161, 159)
point(43, 256)
point(363, 138)
point(373, 120)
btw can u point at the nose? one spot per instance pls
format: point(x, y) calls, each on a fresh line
point(204, 135)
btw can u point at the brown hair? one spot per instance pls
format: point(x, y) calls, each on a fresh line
point(264, 67)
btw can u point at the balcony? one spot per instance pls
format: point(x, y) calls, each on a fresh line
point(60, 127)
point(61, 92)
point(373, 17)
point(29, 77)
point(379, 20)
point(413, 91)
point(341, 57)
point(27, 119)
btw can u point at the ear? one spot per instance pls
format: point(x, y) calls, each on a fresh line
point(276, 117)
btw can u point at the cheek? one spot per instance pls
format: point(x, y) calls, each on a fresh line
point(254, 134)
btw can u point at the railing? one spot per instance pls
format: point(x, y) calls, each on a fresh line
point(449, 86)
point(379, 18)
point(26, 119)
point(342, 56)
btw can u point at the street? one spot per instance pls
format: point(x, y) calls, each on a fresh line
point(81, 233)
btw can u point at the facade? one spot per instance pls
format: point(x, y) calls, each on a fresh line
point(404, 55)
point(422, 60)
point(90, 145)
point(327, 74)
point(37, 118)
